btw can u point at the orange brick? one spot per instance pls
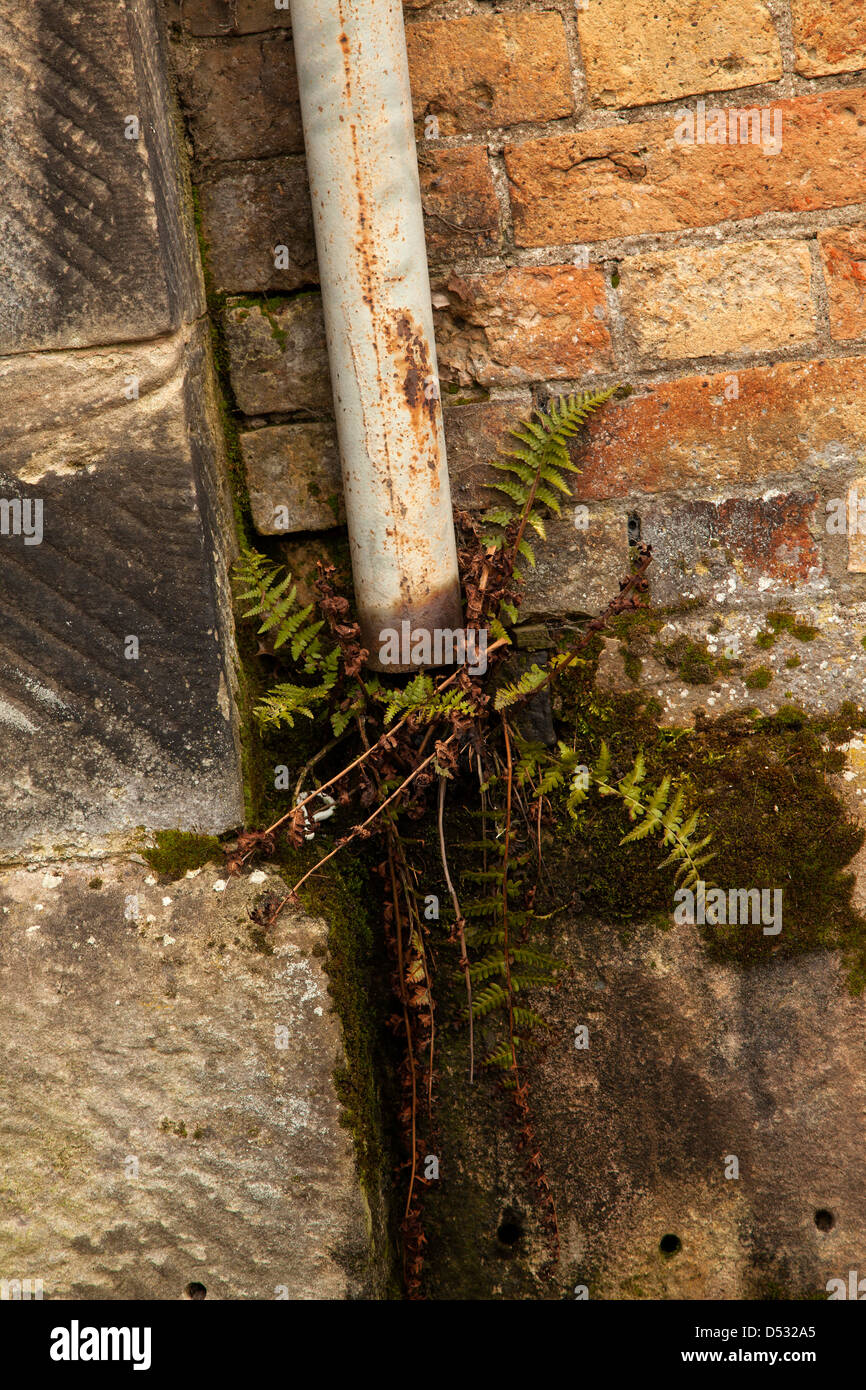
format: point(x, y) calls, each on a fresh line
point(471, 74)
point(523, 324)
point(460, 206)
point(724, 431)
point(843, 251)
point(639, 51)
point(624, 180)
point(829, 36)
point(741, 297)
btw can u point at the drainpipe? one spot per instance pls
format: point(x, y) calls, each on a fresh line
point(353, 75)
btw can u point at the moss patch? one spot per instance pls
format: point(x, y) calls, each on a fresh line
point(177, 851)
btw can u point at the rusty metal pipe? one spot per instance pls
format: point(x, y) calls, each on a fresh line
point(356, 104)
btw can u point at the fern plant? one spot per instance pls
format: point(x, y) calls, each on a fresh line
point(273, 598)
point(536, 470)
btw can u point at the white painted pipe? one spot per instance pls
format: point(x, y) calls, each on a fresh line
point(356, 104)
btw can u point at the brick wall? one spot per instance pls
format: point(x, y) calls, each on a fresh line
point(586, 225)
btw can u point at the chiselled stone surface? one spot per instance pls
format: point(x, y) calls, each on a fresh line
point(241, 100)
point(278, 355)
point(156, 1126)
point(294, 478)
point(621, 180)
point(95, 740)
point(93, 248)
point(637, 51)
point(736, 298)
point(249, 212)
point(829, 36)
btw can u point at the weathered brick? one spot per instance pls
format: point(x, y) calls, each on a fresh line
point(843, 251)
point(577, 571)
point(213, 17)
point(246, 213)
point(296, 467)
point(486, 71)
point(638, 51)
point(803, 420)
point(241, 100)
point(475, 433)
point(522, 324)
point(735, 298)
point(829, 36)
point(461, 211)
point(278, 358)
point(628, 179)
point(704, 548)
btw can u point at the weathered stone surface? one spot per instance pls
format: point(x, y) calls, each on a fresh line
point(278, 355)
point(628, 179)
point(579, 569)
point(855, 518)
point(736, 298)
point(843, 251)
point(215, 17)
point(816, 675)
point(93, 741)
point(156, 1129)
point(486, 71)
point(522, 324)
point(249, 211)
point(829, 36)
point(461, 212)
point(637, 51)
point(476, 433)
point(294, 478)
point(241, 101)
point(762, 424)
point(737, 548)
point(93, 247)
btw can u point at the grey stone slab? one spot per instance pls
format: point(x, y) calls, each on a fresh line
point(278, 356)
point(156, 1127)
point(241, 99)
point(294, 478)
point(248, 211)
point(93, 741)
point(93, 245)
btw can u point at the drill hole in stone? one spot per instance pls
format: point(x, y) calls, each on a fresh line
point(509, 1232)
point(633, 528)
point(824, 1219)
point(670, 1244)
point(196, 1291)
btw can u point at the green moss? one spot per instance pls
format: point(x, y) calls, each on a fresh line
point(780, 621)
point(759, 678)
point(631, 662)
point(765, 640)
point(792, 662)
point(763, 786)
point(177, 851)
point(95, 883)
